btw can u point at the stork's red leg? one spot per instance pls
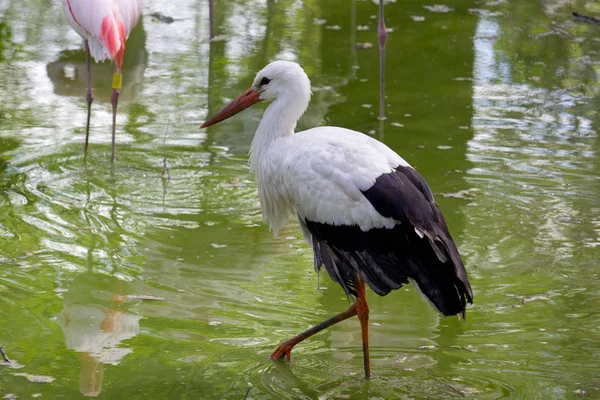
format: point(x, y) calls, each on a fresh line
point(362, 310)
point(285, 348)
point(89, 97)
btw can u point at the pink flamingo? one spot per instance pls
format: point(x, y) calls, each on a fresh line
point(105, 25)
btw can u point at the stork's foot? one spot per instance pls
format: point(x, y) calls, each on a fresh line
point(283, 351)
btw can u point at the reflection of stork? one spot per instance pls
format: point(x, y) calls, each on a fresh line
point(370, 217)
point(105, 25)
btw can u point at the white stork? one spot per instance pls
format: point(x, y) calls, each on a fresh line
point(369, 216)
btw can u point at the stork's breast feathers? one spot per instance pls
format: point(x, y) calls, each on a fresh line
point(326, 170)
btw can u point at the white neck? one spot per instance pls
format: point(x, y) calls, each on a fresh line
point(279, 120)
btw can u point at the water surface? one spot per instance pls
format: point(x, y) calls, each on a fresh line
point(118, 283)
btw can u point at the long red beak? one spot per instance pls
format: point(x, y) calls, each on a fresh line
point(244, 101)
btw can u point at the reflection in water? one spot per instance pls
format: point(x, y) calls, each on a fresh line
point(94, 323)
point(543, 140)
point(5, 40)
point(69, 72)
point(527, 223)
point(534, 184)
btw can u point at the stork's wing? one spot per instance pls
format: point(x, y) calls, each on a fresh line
point(383, 225)
point(437, 267)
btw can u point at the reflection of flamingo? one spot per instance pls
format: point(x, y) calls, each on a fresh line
point(95, 333)
point(368, 214)
point(105, 26)
point(96, 329)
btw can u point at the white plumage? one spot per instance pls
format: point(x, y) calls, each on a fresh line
point(100, 21)
point(105, 26)
point(319, 172)
point(369, 216)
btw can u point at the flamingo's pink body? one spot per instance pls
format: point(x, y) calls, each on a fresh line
point(105, 25)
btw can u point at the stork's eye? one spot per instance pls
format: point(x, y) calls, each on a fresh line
point(265, 81)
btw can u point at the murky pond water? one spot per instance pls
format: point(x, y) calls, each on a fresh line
point(118, 283)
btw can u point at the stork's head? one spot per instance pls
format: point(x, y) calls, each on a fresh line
point(279, 79)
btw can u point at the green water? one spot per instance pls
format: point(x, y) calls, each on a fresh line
point(118, 283)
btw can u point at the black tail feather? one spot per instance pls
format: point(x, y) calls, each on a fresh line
point(387, 258)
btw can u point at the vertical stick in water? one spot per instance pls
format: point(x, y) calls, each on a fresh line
point(165, 170)
point(211, 16)
point(382, 34)
point(4, 357)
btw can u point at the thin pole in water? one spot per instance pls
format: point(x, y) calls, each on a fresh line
point(165, 170)
point(211, 16)
point(382, 34)
point(4, 357)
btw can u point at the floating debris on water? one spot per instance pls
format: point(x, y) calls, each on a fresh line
point(461, 194)
point(533, 298)
point(417, 18)
point(362, 28)
point(363, 46)
point(464, 390)
point(36, 378)
point(160, 17)
point(585, 18)
point(470, 348)
point(438, 8)
point(218, 246)
point(333, 27)
point(319, 21)
point(12, 364)
point(144, 297)
point(397, 124)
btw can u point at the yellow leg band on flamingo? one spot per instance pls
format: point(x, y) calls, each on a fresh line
point(116, 81)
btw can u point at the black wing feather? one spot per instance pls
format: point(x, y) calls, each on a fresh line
point(387, 258)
